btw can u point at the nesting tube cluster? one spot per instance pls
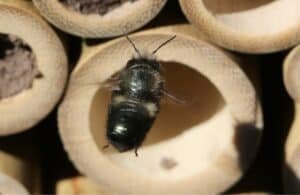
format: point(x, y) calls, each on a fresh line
point(33, 74)
point(202, 146)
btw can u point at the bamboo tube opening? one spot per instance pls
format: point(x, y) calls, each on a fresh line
point(191, 144)
point(17, 66)
point(245, 25)
point(159, 156)
point(119, 21)
point(25, 109)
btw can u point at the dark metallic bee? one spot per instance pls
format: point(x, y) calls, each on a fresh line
point(135, 101)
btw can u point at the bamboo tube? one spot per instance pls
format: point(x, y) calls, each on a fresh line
point(291, 69)
point(82, 185)
point(122, 20)
point(79, 186)
point(24, 110)
point(292, 160)
point(19, 173)
point(205, 151)
point(252, 26)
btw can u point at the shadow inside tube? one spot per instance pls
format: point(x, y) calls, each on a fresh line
point(247, 138)
point(291, 180)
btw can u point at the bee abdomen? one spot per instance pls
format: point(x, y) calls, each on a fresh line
point(152, 107)
point(128, 123)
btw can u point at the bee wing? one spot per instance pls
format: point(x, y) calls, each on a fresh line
point(172, 98)
point(112, 83)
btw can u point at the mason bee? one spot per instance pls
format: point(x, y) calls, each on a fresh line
point(135, 101)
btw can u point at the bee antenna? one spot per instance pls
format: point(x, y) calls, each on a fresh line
point(163, 44)
point(133, 45)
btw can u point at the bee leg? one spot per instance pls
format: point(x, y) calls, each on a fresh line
point(105, 147)
point(173, 98)
point(136, 152)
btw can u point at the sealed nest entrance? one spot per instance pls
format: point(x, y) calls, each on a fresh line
point(17, 66)
point(100, 7)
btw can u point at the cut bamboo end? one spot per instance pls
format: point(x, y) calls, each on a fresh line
point(79, 186)
point(292, 155)
point(18, 171)
point(24, 110)
point(9, 186)
point(205, 151)
point(120, 21)
point(291, 73)
point(247, 26)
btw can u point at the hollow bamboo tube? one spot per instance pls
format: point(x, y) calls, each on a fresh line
point(252, 26)
point(292, 72)
point(205, 151)
point(122, 20)
point(292, 155)
point(19, 173)
point(79, 186)
point(24, 110)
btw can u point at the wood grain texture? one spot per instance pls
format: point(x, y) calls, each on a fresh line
point(120, 21)
point(24, 110)
point(210, 141)
point(251, 26)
